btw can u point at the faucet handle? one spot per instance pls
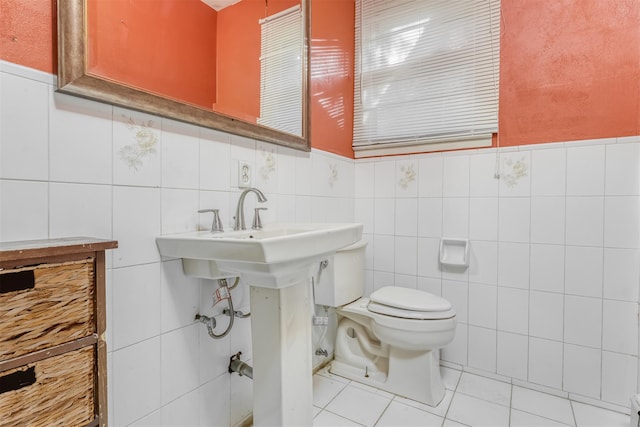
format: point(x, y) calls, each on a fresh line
point(257, 222)
point(216, 225)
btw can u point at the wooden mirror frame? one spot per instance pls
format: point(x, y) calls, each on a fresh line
point(74, 79)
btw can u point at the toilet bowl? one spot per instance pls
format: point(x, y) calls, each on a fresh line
point(390, 340)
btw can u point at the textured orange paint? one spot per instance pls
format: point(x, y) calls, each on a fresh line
point(569, 70)
point(239, 55)
point(332, 68)
point(27, 33)
point(161, 46)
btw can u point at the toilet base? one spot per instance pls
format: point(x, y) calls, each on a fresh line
point(415, 376)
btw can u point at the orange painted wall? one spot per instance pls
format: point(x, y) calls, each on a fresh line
point(570, 70)
point(161, 46)
point(28, 33)
point(239, 53)
point(332, 68)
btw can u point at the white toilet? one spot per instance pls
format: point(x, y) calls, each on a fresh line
point(390, 340)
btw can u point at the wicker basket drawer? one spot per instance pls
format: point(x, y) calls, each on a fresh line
point(57, 391)
point(45, 305)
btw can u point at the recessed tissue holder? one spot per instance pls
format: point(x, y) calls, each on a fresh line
point(454, 252)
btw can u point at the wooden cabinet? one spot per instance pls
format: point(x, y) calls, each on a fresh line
point(53, 367)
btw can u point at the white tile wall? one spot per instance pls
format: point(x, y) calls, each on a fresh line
point(515, 219)
point(513, 265)
point(550, 297)
point(429, 221)
point(583, 321)
point(512, 355)
point(483, 266)
point(513, 310)
point(145, 167)
point(482, 348)
point(483, 218)
point(546, 315)
point(585, 221)
point(456, 176)
point(584, 270)
point(547, 268)
point(582, 370)
point(80, 210)
point(136, 381)
point(622, 170)
point(552, 290)
point(24, 107)
point(80, 141)
point(585, 170)
point(621, 272)
point(547, 220)
point(481, 170)
point(136, 304)
point(621, 228)
point(24, 214)
point(545, 362)
point(483, 300)
point(548, 171)
point(70, 166)
point(406, 217)
point(455, 217)
point(179, 364)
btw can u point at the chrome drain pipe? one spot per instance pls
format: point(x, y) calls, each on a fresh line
point(237, 365)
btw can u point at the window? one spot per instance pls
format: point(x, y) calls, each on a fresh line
point(281, 71)
point(426, 75)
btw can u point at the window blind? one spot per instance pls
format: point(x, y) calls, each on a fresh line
point(426, 75)
point(281, 71)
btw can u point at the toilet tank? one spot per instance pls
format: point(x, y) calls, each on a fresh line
point(342, 280)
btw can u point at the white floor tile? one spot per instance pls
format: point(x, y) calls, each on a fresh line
point(587, 415)
point(358, 405)
point(373, 390)
point(451, 423)
point(470, 400)
point(440, 410)
point(450, 377)
point(398, 414)
point(485, 388)
point(477, 412)
point(325, 389)
point(325, 372)
point(524, 419)
point(327, 419)
point(542, 404)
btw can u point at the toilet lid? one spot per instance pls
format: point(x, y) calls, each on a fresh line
point(409, 299)
point(409, 314)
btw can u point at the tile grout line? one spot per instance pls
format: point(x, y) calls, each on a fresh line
point(454, 391)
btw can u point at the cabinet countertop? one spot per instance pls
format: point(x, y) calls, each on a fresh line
point(47, 247)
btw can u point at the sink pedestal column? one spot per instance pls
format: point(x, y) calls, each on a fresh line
point(281, 340)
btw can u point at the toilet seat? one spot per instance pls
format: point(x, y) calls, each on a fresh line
point(409, 304)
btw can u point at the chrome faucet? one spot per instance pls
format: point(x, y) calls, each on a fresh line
point(239, 219)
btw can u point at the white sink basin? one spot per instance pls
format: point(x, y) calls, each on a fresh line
point(273, 256)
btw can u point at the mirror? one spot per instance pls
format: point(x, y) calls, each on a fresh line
point(85, 70)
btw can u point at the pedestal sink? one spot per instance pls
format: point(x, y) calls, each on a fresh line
point(277, 263)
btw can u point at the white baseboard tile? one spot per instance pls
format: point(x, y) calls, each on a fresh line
point(28, 73)
point(544, 146)
point(600, 403)
point(541, 388)
point(598, 141)
point(487, 374)
point(628, 139)
point(450, 365)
